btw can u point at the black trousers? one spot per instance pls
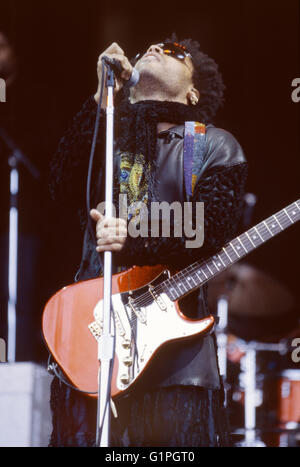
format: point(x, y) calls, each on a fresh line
point(176, 416)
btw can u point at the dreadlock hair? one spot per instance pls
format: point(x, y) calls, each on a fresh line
point(206, 78)
point(136, 124)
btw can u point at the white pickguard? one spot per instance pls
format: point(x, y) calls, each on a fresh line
point(158, 327)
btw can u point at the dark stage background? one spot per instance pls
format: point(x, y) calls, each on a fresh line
point(256, 44)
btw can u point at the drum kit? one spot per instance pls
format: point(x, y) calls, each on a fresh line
point(258, 333)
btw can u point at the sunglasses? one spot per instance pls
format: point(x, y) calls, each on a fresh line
point(170, 48)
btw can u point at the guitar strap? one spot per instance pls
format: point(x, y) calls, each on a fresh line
point(193, 154)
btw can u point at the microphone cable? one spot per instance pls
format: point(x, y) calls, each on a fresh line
point(91, 160)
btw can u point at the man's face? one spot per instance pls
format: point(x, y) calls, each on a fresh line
point(174, 75)
point(7, 57)
point(155, 54)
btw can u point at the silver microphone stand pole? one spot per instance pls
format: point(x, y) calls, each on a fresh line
point(106, 341)
point(16, 156)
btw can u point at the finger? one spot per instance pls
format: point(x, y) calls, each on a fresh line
point(111, 239)
point(123, 60)
point(112, 247)
point(111, 233)
point(111, 222)
point(111, 54)
point(96, 215)
point(108, 246)
point(114, 48)
point(126, 65)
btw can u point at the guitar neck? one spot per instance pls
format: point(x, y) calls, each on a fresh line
point(200, 272)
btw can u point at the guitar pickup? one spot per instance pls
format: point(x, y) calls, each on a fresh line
point(157, 298)
point(140, 315)
point(119, 325)
point(96, 327)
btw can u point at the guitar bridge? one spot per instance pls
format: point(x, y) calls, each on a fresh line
point(96, 329)
point(96, 326)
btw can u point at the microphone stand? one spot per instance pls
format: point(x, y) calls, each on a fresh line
point(16, 156)
point(106, 341)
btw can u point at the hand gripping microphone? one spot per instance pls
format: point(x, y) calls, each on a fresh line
point(117, 68)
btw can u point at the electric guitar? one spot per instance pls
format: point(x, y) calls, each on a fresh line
point(146, 314)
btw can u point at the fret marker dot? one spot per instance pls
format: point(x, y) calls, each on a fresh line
point(273, 226)
point(294, 212)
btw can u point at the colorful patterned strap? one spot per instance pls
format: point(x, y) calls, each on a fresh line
point(193, 154)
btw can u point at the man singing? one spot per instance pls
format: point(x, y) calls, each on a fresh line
point(180, 403)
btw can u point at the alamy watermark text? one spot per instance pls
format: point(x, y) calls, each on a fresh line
point(296, 91)
point(2, 90)
point(187, 219)
point(2, 351)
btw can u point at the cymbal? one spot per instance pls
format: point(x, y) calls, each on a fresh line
point(250, 292)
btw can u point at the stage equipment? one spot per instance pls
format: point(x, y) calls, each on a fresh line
point(16, 157)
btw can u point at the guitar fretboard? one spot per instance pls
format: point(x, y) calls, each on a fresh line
point(198, 273)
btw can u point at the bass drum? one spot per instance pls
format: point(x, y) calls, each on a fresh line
point(277, 393)
point(282, 400)
point(289, 397)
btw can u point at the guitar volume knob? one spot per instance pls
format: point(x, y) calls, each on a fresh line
point(127, 361)
point(126, 344)
point(124, 379)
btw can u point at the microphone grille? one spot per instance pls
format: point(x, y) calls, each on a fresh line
point(134, 78)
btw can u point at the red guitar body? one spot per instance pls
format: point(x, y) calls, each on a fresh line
point(69, 313)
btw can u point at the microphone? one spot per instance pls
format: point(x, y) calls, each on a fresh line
point(117, 68)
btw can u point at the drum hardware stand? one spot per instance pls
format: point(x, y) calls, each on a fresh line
point(248, 366)
point(15, 158)
point(252, 394)
point(288, 429)
point(222, 340)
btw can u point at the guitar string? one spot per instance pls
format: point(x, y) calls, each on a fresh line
point(187, 284)
point(194, 268)
point(284, 222)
